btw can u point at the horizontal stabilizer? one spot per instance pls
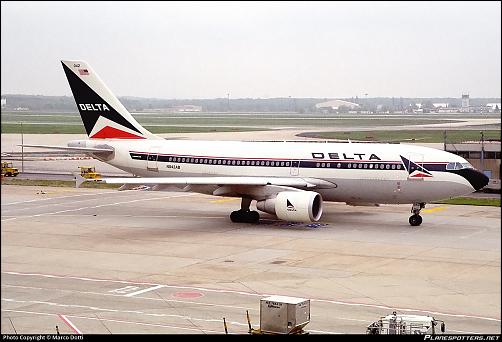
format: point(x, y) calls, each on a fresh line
point(73, 149)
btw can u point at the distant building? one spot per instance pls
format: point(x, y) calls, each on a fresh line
point(336, 105)
point(187, 108)
point(441, 105)
point(465, 103)
point(4, 102)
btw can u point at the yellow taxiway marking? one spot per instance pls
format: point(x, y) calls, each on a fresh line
point(431, 210)
point(226, 199)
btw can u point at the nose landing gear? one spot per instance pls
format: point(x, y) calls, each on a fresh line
point(416, 219)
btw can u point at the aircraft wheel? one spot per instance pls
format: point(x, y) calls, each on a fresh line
point(253, 217)
point(240, 216)
point(236, 216)
point(415, 220)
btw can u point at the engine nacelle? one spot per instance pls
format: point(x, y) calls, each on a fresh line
point(299, 206)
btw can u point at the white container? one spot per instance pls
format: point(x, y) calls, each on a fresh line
point(283, 315)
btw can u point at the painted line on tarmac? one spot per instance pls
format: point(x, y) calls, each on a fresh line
point(144, 291)
point(432, 210)
point(70, 324)
point(257, 295)
point(112, 320)
point(51, 198)
point(224, 200)
point(62, 203)
point(147, 216)
point(96, 206)
point(111, 293)
point(141, 313)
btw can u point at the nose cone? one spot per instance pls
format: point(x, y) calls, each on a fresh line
point(477, 178)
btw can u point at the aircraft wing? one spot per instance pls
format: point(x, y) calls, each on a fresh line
point(254, 187)
point(221, 181)
point(73, 149)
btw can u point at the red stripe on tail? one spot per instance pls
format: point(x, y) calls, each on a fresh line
point(110, 132)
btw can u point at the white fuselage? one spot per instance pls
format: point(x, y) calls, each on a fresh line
point(361, 172)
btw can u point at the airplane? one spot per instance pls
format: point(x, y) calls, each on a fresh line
point(290, 180)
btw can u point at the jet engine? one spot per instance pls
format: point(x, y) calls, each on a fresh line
point(299, 206)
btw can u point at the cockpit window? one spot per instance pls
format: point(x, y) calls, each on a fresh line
point(458, 166)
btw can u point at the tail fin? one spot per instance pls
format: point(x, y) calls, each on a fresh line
point(103, 115)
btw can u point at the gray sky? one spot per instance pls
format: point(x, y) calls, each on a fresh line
point(254, 49)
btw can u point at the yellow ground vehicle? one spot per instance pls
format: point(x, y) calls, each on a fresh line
point(89, 172)
point(8, 170)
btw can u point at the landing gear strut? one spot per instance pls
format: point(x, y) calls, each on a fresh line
point(244, 215)
point(416, 219)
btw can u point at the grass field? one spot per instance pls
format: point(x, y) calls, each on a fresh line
point(208, 122)
point(79, 129)
point(426, 136)
point(57, 183)
point(494, 202)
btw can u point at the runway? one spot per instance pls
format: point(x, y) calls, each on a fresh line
point(104, 261)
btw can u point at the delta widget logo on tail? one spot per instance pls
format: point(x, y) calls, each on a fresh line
point(100, 119)
point(415, 170)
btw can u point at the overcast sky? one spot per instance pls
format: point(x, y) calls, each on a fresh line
point(253, 49)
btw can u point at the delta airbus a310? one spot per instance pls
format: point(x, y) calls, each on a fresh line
point(287, 179)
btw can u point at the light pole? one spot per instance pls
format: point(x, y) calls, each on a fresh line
point(22, 148)
point(482, 151)
point(228, 102)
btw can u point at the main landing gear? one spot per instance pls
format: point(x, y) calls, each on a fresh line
point(244, 215)
point(416, 219)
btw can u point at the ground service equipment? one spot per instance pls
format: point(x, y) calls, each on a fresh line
point(89, 172)
point(405, 325)
point(8, 170)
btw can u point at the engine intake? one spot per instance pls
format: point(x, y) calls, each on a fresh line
point(299, 206)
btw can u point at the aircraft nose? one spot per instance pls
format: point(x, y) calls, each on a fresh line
point(477, 178)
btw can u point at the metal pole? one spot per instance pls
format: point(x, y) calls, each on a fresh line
point(482, 151)
point(228, 102)
point(22, 148)
point(444, 140)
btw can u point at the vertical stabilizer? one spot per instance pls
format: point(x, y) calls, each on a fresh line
point(103, 115)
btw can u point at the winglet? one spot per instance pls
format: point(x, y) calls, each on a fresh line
point(79, 180)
